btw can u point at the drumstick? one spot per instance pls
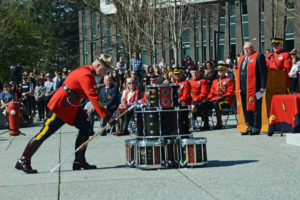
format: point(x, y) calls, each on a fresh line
point(86, 142)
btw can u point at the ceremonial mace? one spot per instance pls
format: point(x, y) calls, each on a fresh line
point(100, 131)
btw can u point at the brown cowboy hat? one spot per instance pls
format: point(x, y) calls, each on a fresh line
point(106, 60)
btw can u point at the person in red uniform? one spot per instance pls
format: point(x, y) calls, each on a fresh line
point(66, 108)
point(221, 94)
point(278, 59)
point(185, 88)
point(199, 92)
point(251, 79)
point(153, 80)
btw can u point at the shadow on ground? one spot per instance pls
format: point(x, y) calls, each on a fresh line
point(227, 163)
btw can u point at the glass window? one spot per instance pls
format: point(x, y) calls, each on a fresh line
point(186, 35)
point(244, 7)
point(84, 29)
point(221, 52)
point(204, 53)
point(232, 7)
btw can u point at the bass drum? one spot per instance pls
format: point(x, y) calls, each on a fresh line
point(162, 122)
point(162, 95)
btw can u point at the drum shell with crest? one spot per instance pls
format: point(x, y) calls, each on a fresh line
point(157, 122)
point(149, 154)
point(193, 151)
point(162, 95)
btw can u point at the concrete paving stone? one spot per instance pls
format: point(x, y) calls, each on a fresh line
point(142, 188)
point(29, 191)
point(240, 167)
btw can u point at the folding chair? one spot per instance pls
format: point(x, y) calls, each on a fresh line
point(230, 111)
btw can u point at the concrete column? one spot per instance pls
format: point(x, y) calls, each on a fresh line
point(200, 37)
point(113, 32)
point(238, 28)
point(253, 23)
point(297, 26)
point(227, 32)
point(81, 53)
point(192, 35)
point(89, 33)
point(268, 24)
point(207, 16)
point(215, 27)
point(166, 46)
point(98, 33)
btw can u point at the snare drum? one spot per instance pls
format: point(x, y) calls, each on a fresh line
point(149, 154)
point(162, 95)
point(193, 151)
point(155, 122)
point(130, 146)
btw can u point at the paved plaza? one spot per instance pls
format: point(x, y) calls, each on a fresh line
point(240, 167)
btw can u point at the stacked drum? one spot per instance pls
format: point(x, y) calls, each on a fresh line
point(163, 138)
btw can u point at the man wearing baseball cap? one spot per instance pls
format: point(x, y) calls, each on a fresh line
point(65, 107)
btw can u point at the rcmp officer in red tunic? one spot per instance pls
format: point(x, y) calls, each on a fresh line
point(185, 88)
point(66, 108)
point(199, 92)
point(221, 93)
point(251, 78)
point(278, 59)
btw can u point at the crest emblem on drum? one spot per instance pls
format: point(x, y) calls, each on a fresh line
point(165, 101)
point(165, 92)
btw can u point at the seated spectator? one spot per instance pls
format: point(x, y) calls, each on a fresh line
point(39, 94)
point(131, 95)
point(109, 97)
point(136, 79)
point(199, 93)
point(185, 88)
point(165, 79)
point(221, 95)
point(6, 96)
point(146, 81)
point(153, 80)
point(116, 79)
point(210, 73)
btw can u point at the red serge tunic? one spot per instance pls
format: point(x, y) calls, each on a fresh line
point(82, 82)
point(185, 92)
point(199, 89)
point(222, 87)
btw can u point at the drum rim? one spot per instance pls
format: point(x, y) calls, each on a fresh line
point(158, 109)
point(149, 143)
point(131, 141)
point(193, 140)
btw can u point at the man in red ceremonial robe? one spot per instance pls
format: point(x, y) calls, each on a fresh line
point(65, 107)
point(251, 79)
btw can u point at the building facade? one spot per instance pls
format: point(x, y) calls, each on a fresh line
point(217, 30)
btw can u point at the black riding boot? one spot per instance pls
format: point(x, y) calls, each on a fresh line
point(80, 161)
point(25, 160)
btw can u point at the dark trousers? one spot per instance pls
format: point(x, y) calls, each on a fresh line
point(53, 123)
point(41, 104)
point(252, 118)
point(127, 118)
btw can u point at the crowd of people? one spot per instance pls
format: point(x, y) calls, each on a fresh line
point(200, 84)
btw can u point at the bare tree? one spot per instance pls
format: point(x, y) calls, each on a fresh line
point(6, 22)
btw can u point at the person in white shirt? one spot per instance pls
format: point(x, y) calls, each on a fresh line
point(293, 75)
